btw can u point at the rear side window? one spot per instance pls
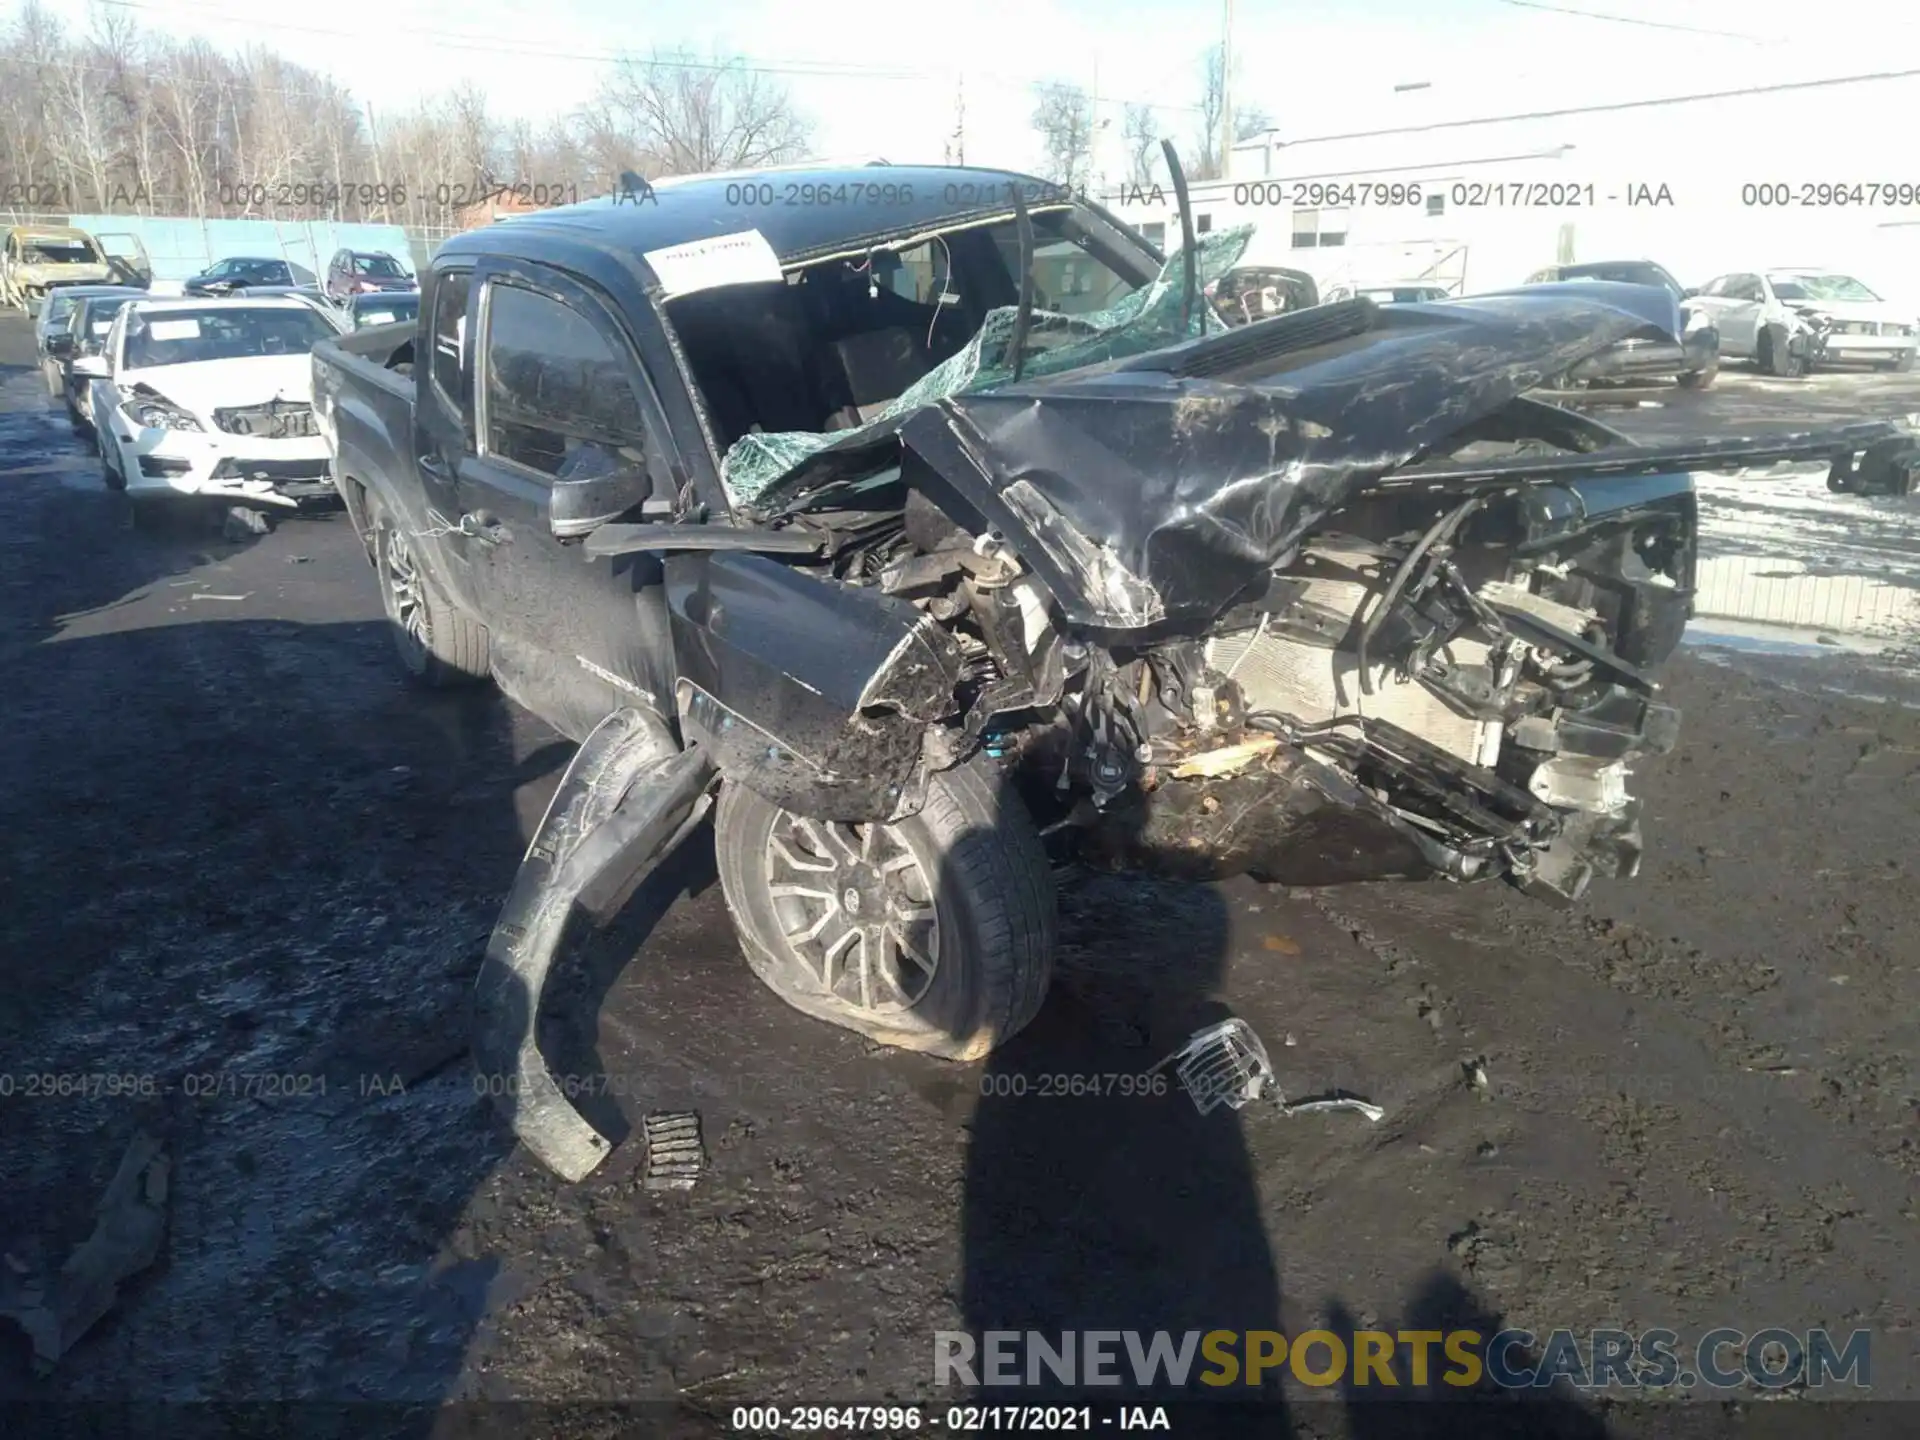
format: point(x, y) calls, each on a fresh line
point(554, 384)
point(449, 338)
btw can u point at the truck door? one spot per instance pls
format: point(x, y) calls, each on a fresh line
point(559, 386)
point(443, 426)
point(126, 256)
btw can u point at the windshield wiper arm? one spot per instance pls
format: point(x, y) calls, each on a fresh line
point(1023, 317)
point(1179, 177)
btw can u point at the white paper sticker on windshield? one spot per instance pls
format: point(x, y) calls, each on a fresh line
point(173, 329)
point(744, 258)
point(377, 317)
point(100, 327)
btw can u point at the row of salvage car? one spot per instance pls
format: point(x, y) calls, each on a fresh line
point(1784, 322)
point(926, 547)
point(205, 397)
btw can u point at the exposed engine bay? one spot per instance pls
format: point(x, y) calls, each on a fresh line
point(1430, 684)
point(1209, 632)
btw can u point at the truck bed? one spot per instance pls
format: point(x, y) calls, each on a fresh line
point(364, 382)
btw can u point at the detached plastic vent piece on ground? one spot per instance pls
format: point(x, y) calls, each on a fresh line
point(674, 1156)
point(1226, 1064)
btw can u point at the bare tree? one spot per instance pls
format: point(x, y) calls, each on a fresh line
point(1063, 114)
point(1141, 132)
point(1248, 120)
point(674, 114)
point(125, 119)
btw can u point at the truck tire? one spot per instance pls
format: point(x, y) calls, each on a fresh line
point(438, 644)
point(965, 884)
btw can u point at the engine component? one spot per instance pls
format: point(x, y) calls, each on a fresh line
point(1308, 668)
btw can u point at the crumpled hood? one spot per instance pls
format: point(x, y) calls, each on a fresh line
point(1879, 312)
point(1157, 488)
point(208, 385)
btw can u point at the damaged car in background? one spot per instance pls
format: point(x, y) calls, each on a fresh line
point(1687, 354)
point(832, 522)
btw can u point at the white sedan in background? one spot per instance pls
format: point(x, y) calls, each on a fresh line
point(1789, 319)
point(211, 399)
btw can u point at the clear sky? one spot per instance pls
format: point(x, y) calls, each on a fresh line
point(883, 80)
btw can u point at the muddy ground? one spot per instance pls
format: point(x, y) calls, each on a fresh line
point(236, 845)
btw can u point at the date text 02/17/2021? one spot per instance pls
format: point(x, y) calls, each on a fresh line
point(1435, 198)
point(952, 1420)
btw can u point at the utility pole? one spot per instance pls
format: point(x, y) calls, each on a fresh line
point(1226, 93)
point(1093, 123)
point(957, 145)
point(373, 140)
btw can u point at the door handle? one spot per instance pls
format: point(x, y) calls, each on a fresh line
point(431, 465)
point(478, 525)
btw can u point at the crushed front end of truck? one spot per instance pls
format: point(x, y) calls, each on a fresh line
point(1322, 598)
point(1325, 598)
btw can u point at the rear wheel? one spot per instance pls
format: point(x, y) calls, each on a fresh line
point(933, 934)
point(1903, 362)
point(437, 643)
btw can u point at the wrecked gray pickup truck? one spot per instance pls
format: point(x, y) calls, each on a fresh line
point(939, 522)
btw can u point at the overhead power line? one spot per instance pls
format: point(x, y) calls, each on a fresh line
point(1635, 20)
point(1613, 107)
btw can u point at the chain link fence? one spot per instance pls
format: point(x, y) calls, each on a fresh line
point(1778, 548)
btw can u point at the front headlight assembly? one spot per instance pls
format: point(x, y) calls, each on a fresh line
point(156, 414)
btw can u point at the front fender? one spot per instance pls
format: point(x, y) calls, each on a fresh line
point(627, 800)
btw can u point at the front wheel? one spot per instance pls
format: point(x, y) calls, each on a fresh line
point(438, 644)
point(932, 934)
point(1702, 378)
point(1903, 363)
point(115, 477)
point(1777, 354)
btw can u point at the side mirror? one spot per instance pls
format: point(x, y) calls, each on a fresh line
point(1689, 294)
point(600, 485)
point(60, 345)
point(90, 367)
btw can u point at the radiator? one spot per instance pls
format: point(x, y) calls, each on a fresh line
point(1313, 683)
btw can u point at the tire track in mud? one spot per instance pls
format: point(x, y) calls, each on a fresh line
point(1709, 1197)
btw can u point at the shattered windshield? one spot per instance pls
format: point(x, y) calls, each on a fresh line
point(1823, 287)
point(1068, 331)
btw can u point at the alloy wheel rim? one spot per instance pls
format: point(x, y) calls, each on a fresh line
point(406, 607)
point(855, 903)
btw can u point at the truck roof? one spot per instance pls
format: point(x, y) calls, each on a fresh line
point(50, 232)
point(866, 204)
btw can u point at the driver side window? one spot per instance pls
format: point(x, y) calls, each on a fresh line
point(554, 392)
point(450, 293)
